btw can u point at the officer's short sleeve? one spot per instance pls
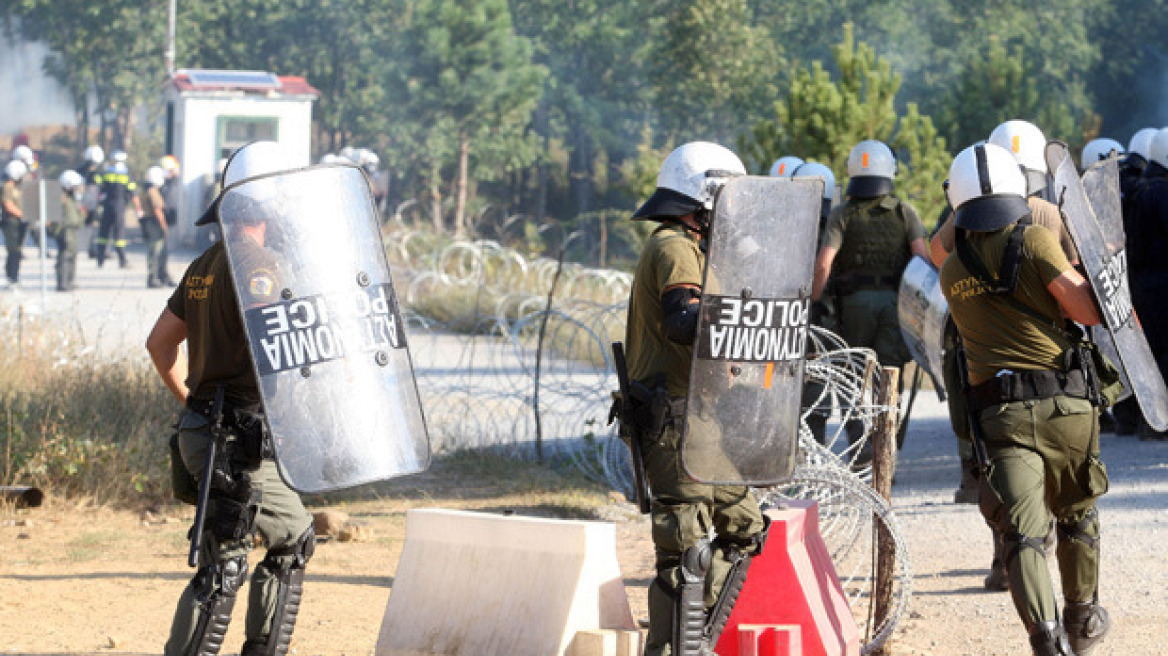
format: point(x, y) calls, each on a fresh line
point(1047, 215)
point(912, 223)
point(175, 302)
point(678, 263)
point(10, 194)
point(833, 236)
point(1043, 250)
point(947, 233)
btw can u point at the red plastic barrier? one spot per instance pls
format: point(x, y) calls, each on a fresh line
point(793, 582)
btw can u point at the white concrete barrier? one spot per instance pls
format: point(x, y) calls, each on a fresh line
point(478, 584)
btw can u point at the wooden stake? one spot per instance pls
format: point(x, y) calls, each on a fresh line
point(883, 468)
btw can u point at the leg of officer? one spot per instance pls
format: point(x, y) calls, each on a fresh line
point(205, 607)
point(276, 585)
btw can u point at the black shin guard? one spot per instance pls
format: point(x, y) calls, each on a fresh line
point(217, 586)
point(740, 559)
point(689, 618)
point(288, 567)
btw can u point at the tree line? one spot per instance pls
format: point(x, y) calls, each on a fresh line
point(559, 111)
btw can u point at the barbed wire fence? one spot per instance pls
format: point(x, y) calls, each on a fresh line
point(512, 353)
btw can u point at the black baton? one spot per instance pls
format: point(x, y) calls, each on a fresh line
point(205, 482)
point(640, 484)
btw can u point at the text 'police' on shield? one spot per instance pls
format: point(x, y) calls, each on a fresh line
point(1112, 282)
point(753, 329)
point(314, 329)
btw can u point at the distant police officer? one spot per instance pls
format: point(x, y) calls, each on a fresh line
point(1009, 287)
point(246, 492)
point(154, 228)
point(65, 231)
point(662, 324)
point(171, 192)
point(14, 224)
point(869, 240)
point(117, 188)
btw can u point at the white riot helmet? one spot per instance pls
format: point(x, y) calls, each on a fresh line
point(986, 189)
point(155, 176)
point(71, 180)
point(689, 178)
point(118, 156)
point(817, 170)
point(24, 154)
point(871, 167)
point(784, 167)
point(1158, 150)
point(329, 158)
point(94, 154)
point(1028, 146)
point(255, 159)
point(349, 153)
point(1141, 142)
point(368, 160)
point(1098, 150)
point(15, 170)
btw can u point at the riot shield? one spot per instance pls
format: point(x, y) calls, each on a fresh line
point(1096, 226)
point(742, 410)
point(323, 327)
point(922, 311)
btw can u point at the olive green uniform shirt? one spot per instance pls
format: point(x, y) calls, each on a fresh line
point(152, 203)
point(996, 334)
point(206, 302)
point(11, 194)
point(671, 257)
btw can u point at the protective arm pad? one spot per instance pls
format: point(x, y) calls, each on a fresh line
point(681, 315)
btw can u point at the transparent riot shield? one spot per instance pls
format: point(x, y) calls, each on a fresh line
point(923, 311)
point(742, 410)
point(1096, 226)
point(323, 327)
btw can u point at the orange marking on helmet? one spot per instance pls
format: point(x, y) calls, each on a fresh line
point(1014, 144)
point(782, 169)
point(864, 160)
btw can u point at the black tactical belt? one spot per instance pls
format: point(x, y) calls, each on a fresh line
point(1028, 386)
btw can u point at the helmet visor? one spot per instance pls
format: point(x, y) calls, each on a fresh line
point(665, 203)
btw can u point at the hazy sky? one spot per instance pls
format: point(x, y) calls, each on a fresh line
point(28, 96)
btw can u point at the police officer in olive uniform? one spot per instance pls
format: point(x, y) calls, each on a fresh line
point(65, 231)
point(662, 325)
point(869, 241)
point(246, 492)
point(154, 228)
point(1009, 287)
point(12, 216)
point(1027, 144)
point(116, 189)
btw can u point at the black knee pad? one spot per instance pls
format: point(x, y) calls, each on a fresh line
point(231, 519)
point(1079, 530)
point(1014, 542)
point(287, 565)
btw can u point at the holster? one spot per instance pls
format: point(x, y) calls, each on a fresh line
point(252, 443)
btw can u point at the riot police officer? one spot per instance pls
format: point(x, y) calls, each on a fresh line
point(1032, 409)
point(1026, 142)
point(1147, 229)
point(65, 232)
point(12, 215)
point(218, 386)
point(154, 228)
point(868, 242)
point(662, 324)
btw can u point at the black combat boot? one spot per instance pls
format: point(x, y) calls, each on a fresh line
point(1048, 639)
point(999, 578)
point(1086, 625)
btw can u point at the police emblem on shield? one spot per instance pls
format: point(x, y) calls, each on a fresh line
point(323, 327)
point(742, 410)
point(1096, 226)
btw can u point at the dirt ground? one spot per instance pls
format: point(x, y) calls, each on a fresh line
point(77, 579)
point(80, 579)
